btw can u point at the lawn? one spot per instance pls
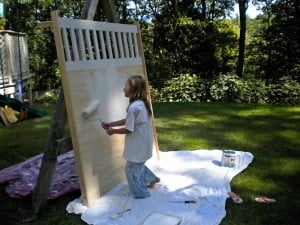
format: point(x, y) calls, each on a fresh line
point(270, 133)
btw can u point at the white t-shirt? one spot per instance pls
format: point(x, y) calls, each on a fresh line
point(138, 143)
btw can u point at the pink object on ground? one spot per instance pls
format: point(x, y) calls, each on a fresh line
point(235, 198)
point(264, 199)
point(21, 179)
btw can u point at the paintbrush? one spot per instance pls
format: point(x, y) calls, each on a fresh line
point(118, 214)
point(185, 201)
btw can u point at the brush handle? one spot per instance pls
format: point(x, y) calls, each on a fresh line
point(190, 201)
point(186, 202)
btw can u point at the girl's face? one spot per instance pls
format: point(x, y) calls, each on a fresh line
point(126, 89)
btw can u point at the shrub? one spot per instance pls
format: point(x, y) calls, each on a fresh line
point(226, 88)
point(204, 90)
point(50, 97)
point(154, 93)
point(253, 91)
point(230, 88)
point(285, 91)
point(182, 89)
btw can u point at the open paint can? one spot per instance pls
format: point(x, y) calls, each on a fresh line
point(228, 158)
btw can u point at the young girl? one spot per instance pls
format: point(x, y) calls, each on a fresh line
point(137, 127)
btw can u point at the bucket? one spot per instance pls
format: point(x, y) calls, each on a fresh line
point(228, 158)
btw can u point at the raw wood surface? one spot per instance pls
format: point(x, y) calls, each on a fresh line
point(96, 59)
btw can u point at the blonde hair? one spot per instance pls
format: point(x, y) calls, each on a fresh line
point(138, 91)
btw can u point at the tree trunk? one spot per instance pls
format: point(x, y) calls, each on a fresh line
point(243, 5)
point(203, 12)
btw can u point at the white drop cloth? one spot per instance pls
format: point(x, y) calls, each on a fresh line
point(185, 175)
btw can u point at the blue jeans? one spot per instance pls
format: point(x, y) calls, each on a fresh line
point(138, 176)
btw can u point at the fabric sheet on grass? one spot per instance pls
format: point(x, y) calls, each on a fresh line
point(185, 175)
point(21, 179)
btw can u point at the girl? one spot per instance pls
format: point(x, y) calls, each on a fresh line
point(137, 127)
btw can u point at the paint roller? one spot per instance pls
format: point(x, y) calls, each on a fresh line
point(90, 109)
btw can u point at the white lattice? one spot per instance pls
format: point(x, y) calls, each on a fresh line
point(89, 44)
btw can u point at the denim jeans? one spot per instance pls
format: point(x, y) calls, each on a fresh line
point(138, 176)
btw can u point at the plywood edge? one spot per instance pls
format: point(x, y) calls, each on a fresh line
point(141, 53)
point(61, 61)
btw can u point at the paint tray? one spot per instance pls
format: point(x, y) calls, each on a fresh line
point(158, 218)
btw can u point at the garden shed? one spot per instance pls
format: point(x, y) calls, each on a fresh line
point(14, 63)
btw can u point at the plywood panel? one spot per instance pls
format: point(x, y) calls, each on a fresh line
point(96, 59)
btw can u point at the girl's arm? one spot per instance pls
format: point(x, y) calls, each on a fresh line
point(122, 130)
point(117, 123)
point(107, 125)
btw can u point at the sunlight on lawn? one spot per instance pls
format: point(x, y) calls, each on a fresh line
point(286, 166)
point(289, 134)
point(257, 184)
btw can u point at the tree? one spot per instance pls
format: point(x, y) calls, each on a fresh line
point(23, 16)
point(192, 44)
point(283, 36)
point(243, 6)
point(279, 43)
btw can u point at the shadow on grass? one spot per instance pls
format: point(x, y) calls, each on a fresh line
point(14, 211)
point(270, 133)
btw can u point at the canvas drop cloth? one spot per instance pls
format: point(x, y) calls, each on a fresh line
point(185, 175)
point(21, 179)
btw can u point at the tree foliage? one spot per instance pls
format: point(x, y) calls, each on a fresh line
point(179, 37)
point(229, 88)
point(193, 43)
point(275, 40)
point(24, 16)
point(283, 36)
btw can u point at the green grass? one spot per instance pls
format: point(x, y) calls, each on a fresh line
point(270, 133)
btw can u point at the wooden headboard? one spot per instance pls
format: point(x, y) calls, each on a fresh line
point(95, 59)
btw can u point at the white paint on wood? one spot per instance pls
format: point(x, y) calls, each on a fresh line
point(96, 59)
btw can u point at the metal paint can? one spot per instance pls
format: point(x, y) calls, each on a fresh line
point(228, 158)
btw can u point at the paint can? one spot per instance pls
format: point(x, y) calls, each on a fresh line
point(228, 158)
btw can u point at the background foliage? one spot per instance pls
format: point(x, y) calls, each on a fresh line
point(229, 88)
point(186, 37)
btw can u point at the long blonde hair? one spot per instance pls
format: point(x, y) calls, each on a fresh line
point(138, 91)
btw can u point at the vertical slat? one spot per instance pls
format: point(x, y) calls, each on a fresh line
point(125, 41)
point(130, 45)
point(81, 45)
point(103, 48)
point(74, 44)
point(66, 44)
point(96, 46)
point(114, 45)
point(89, 45)
point(135, 46)
point(121, 46)
point(108, 43)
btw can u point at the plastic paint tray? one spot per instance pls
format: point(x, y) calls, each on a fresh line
point(158, 218)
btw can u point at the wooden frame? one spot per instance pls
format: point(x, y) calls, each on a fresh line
point(95, 59)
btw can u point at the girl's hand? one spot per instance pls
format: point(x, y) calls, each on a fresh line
point(110, 131)
point(105, 125)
